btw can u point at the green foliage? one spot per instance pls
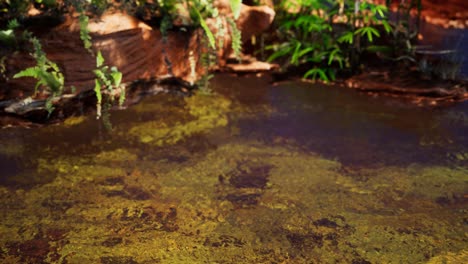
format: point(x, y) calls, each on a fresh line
point(7, 36)
point(46, 72)
point(13, 8)
point(236, 38)
point(108, 83)
point(84, 32)
point(204, 84)
point(405, 31)
point(236, 7)
point(327, 35)
point(209, 34)
point(108, 80)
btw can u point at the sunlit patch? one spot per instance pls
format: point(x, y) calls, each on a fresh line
point(74, 120)
point(207, 112)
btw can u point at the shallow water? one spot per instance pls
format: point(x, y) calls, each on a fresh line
point(256, 173)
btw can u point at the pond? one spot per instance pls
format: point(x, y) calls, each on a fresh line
point(256, 172)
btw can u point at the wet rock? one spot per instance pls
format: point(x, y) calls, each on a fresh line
point(251, 66)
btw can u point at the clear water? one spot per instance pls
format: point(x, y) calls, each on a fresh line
point(255, 173)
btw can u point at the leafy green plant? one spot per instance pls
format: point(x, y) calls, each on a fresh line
point(107, 84)
point(199, 11)
point(236, 38)
point(405, 31)
point(46, 72)
point(327, 35)
point(10, 9)
point(7, 36)
point(84, 32)
point(108, 81)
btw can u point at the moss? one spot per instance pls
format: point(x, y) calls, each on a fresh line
point(207, 112)
point(14, 146)
point(117, 155)
point(74, 120)
point(435, 182)
point(299, 207)
point(450, 258)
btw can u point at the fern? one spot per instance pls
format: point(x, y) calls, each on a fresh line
point(46, 72)
point(84, 32)
point(236, 36)
point(221, 32)
point(13, 24)
point(107, 79)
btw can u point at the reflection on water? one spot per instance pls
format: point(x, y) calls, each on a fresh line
point(258, 173)
point(355, 129)
point(437, 38)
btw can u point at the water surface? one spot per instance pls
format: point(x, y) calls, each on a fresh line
point(254, 173)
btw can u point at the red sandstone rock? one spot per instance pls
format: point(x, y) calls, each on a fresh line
point(136, 49)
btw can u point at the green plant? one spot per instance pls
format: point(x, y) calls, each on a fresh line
point(199, 11)
point(84, 32)
point(236, 38)
point(107, 83)
point(10, 9)
point(405, 31)
point(46, 72)
point(7, 40)
point(7, 36)
point(327, 35)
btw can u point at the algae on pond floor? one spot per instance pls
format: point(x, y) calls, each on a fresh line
point(206, 179)
point(111, 207)
point(205, 112)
